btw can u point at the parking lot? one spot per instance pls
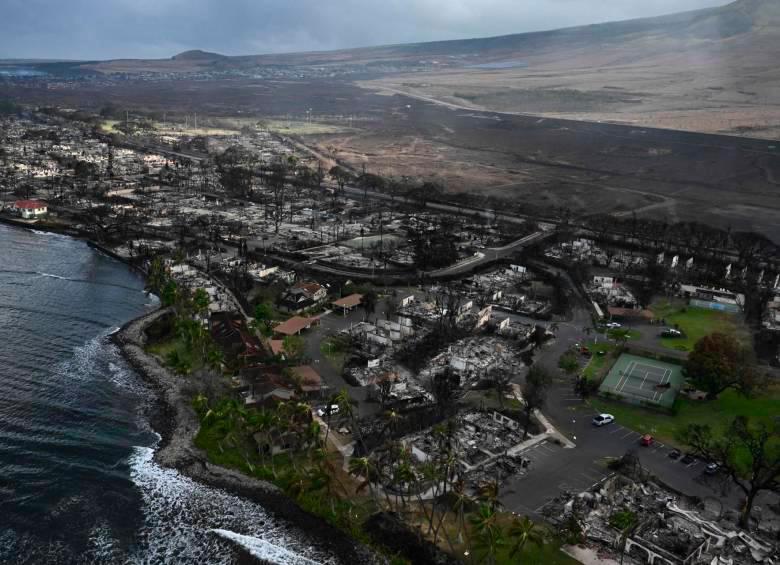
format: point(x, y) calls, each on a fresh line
point(554, 469)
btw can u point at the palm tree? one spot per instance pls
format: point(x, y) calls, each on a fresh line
point(488, 492)
point(215, 358)
point(461, 500)
point(365, 468)
point(487, 532)
point(262, 422)
point(391, 421)
point(523, 530)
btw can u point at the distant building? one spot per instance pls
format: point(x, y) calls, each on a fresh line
point(31, 209)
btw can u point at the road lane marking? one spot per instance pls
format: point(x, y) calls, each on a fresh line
point(631, 432)
point(616, 430)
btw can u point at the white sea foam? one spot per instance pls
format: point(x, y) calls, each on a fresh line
point(266, 551)
point(51, 276)
point(180, 516)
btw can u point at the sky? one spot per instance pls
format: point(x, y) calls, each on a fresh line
point(108, 29)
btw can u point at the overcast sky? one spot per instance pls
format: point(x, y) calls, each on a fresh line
point(104, 29)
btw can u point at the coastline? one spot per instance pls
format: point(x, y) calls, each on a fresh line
point(176, 422)
point(174, 419)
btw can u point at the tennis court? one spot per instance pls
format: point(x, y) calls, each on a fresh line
point(640, 380)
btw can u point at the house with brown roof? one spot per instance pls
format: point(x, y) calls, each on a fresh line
point(348, 303)
point(302, 296)
point(295, 325)
point(309, 380)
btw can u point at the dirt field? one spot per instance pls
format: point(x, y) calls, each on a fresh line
point(587, 167)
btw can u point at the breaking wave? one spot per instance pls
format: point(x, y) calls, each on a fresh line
point(266, 551)
point(186, 522)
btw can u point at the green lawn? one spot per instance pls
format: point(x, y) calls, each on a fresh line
point(335, 349)
point(596, 367)
point(717, 413)
point(631, 334)
point(163, 349)
point(696, 323)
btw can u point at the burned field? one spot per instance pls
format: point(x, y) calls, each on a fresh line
point(531, 162)
point(589, 168)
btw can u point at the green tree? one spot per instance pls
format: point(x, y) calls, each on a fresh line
point(748, 452)
point(293, 347)
point(157, 276)
point(170, 293)
point(365, 468)
point(534, 392)
point(486, 532)
point(200, 301)
point(719, 362)
point(263, 316)
point(523, 531)
point(568, 362)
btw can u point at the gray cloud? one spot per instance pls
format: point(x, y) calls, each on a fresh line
point(102, 29)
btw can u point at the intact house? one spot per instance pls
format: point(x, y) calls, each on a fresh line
point(31, 209)
point(302, 296)
point(295, 325)
point(348, 303)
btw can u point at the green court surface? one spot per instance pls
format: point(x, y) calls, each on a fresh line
point(644, 381)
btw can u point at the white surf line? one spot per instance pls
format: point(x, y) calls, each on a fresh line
point(264, 550)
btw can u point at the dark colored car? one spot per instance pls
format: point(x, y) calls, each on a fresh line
point(688, 459)
point(674, 454)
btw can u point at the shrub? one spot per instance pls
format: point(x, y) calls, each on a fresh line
point(623, 520)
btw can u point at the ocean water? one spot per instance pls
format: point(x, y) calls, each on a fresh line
point(77, 480)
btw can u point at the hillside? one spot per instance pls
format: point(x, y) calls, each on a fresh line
point(717, 25)
point(710, 70)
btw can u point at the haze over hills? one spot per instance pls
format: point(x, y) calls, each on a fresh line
point(710, 70)
point(740, 20)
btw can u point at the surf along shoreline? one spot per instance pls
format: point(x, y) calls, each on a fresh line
point(174, 419)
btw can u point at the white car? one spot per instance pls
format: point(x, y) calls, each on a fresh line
point(613, 325)
point(323, 412)
point(603, 419)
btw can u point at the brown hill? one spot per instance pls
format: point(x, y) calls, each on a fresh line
point(718, 24)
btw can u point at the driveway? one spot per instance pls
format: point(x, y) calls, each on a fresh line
point(331, 323)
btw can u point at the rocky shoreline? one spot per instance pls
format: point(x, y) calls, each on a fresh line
point(174, 419)
point(177, 423)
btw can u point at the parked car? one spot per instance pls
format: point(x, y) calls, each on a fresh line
point(323, 412)
point(674, 454)
point(688, 459)
point(614, 325)
point(712, 468)
point(603, 420)
point(646, 440)
point(671, 332)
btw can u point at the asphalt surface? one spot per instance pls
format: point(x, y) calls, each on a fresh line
point(555, 469)
point(332, 323)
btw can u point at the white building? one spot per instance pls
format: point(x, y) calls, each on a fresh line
point(31, 209)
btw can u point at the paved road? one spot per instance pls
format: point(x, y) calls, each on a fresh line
point(486, 257)
point(331, 324)
point(358, 194)
point(554, 469)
